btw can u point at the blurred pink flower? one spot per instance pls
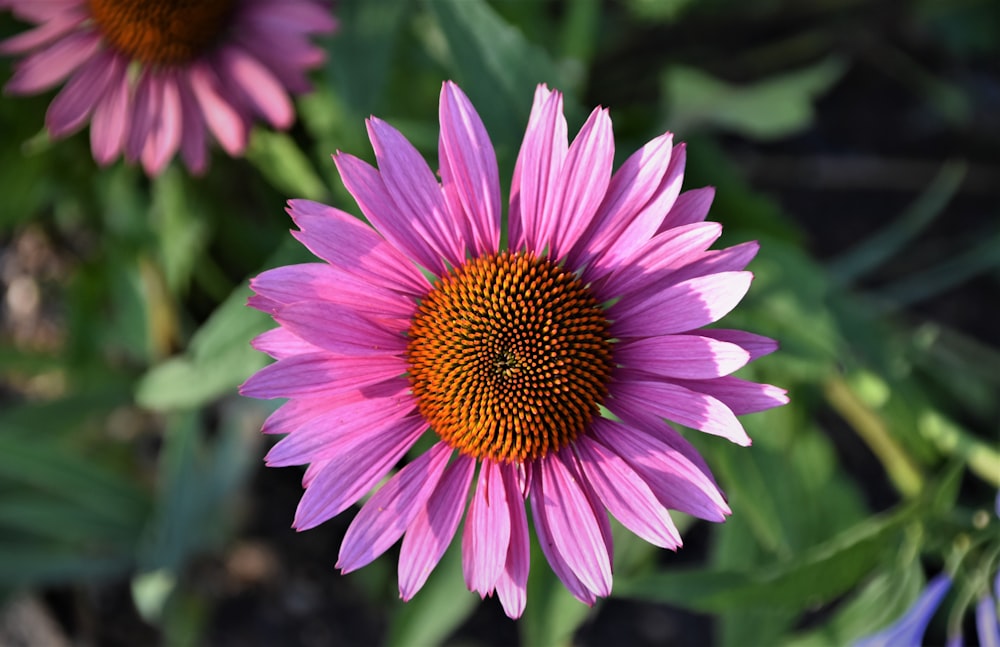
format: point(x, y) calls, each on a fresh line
point(155, 77)
point(549, 362)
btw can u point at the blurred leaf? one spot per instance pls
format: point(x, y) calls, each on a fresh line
point(885, 597)
point(219, 356)
point(282, 162)
point(197, 478)
point(361, 51)
point(811, 577)
point(181, 225)
point(658, 10)
point(24, 566)
point(438, 609)
point(876, 249)
point(495, 66)
point(768, 109)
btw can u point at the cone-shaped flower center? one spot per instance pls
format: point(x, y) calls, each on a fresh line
point(509, 357)
point(161, 32)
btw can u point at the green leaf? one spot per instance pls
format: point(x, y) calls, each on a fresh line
point(768, 109)
point(286, 167)
point(438, 609)
point(552, 614)
point(811, 577)
point(360, 54)
point(181, 225)
point(220, 356)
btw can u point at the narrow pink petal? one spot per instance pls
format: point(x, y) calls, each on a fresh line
point(537, 169)
point(38, 10)
point(54, 28)
point(307, 17)
point(739, 395)
point(323, 282)
point(684, 406)
point(512, 587)
point(142, 116)
point(345, 242)
point(756, 345)
point(396, 224)
point(487, 531)
point(643, 225)
point(279, 343)
point(194, 136)
point(626, 494)
point(550, 549)
point(320, 374)
point(163, 135)
point(340, 329)
point(678, 482)
point(691, 206)
point(299, 412)
point(69, 111)
point(415, 190)
point(326, 434)
point(354, 471)
point(469, 176)
point(262, 90)
point(730, 259)
point(575, 530)
point(630, 189)
point(581, 186)
point(684, 356)
point(657, 261)
point(47, 68)
point(112, 116)
point(384, 517)
point(678, 308)
point(225, 121)
point(432, 530)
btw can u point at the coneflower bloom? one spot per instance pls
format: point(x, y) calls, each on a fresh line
point(155, 77)
point(544, 361)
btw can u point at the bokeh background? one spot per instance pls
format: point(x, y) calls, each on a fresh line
point(858, 140)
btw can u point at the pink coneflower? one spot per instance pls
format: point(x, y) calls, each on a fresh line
point(549, 362)
point(156, 76)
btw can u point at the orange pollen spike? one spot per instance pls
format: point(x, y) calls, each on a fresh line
point(161, 32)
point(509, 357)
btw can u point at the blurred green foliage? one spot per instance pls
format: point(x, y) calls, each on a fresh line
point(125, 454)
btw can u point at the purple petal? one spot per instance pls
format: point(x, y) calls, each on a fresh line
point(487, 531)
point(354, 471)
point(194, 138)
point(279, 344)
point(678, 308)
point(684, 356)
point(264, 93)
point(677, 480)
point(48, 67)
point(756, 345)
point(987, 622)
point(512, 587)
point(537, 169)
point(326, 434)
point(434, 526)
point(227, 124)
point(909, 630)
point(69, 111)
point(691, 206)
point(581, 185)
point(111, 119)
point(340, 329)
point(348, 244)
point(626, 495)
point(415, 191)
point(741, 396)
point(385, 516)
point(731, 259)
point(679, 404)
point(575, 530)
point(630, 189)
point(55, 27)
point(655, 263)
point(469, 176)
point(320, 374)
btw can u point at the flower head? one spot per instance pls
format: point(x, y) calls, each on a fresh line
point(545, 367)
point(155, 77)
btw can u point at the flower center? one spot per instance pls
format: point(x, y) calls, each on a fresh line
point(161, 32)
point(509, 357)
